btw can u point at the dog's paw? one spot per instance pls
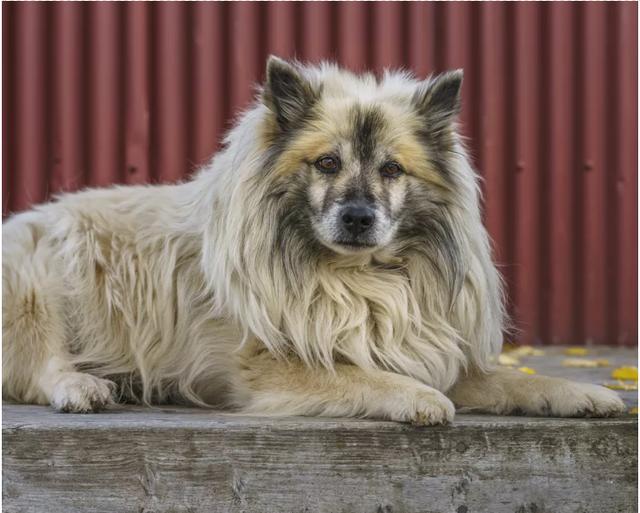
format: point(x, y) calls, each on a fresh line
point(585, 400)
point(429, 408)
point(76, 392)
point(562, 398)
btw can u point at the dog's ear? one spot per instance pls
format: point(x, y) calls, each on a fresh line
point(438, 99)
point(287, 92)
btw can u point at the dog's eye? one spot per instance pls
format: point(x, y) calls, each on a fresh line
point(391, 170)
point(327, 164)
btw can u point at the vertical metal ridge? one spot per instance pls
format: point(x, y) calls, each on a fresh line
point(528, 165)
point(626, 88)
point(387, 44)
point(281, 33)
point(106, 151)
point(543, 254)
point(68, 162)
point(208, 81)
point(492, 93)
point(421, 48)
point(578, 237)
point(352, 32)
point(48, 99)
point(438, 41)
point(8, 102)
point(509, 155)
point(320, 31)
point(171, 73)
point(243, 47)
point(457, 54)
point(612, 157)
point(473, 105)
point(30, 176)
point(592, 49)
point(189, 87)
point(96, 94)
point(137, 107)
point(562, 194)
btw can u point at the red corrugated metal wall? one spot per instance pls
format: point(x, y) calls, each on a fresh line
point(97, 93)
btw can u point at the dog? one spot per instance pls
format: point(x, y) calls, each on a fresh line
point(330, 260)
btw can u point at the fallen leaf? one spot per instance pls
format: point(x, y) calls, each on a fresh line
point(627, 373)
point(633, 411)
point(505, 359)
point(584, 363)
point(527, 370)
point(619, 385)
point(576, 351)
point(526, 351)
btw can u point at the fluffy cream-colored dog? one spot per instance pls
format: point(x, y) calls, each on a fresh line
point(330, 260)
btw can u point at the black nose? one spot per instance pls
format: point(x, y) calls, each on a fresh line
point(357, 219)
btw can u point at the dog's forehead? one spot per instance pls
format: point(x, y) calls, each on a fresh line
point(367, 127)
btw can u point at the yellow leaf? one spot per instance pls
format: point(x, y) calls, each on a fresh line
point(584, 363)
point(620, 385)
point(526, 370)
point(628, 373)
point(526, 351)
point(505, 359)
point(576, 351)
point(633, 411)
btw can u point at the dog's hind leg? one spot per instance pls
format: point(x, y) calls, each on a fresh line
point(507, 391)
point(268, 386)
point(35, 361)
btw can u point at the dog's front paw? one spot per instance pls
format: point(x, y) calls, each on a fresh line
point(76, 392)
point(585, 400)
point(562, 398)
point(429, 408)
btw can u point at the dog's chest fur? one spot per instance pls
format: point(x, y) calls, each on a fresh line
point(373, 316)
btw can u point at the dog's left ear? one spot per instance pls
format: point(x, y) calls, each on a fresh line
point(287, 93)
point(438, 99)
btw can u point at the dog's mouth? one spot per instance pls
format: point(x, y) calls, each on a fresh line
point(351, 247)
point(354, 244)
point(339, 239)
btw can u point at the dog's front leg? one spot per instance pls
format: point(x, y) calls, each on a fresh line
point(268, 386)
point(507, 391)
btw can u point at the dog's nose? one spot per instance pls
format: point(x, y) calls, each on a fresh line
point(357, 219)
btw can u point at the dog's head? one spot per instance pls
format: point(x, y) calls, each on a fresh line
point(358, 162)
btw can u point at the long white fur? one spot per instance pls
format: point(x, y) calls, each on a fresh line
point(164, 286)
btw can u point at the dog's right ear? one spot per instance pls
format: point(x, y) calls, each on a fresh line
point(438, 99)
point(287, 93)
